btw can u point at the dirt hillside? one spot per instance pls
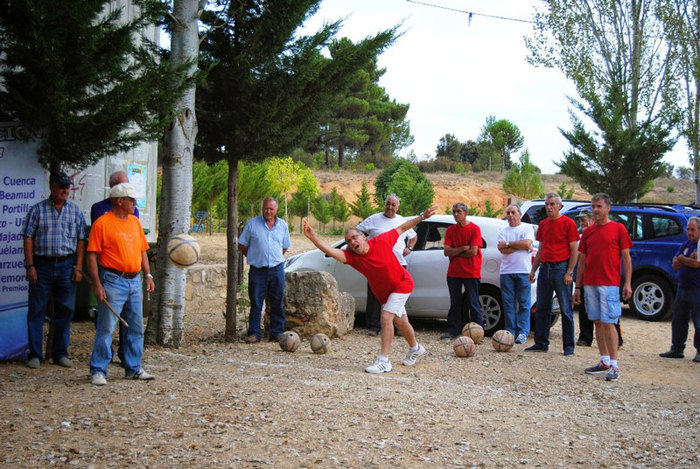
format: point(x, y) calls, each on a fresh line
point(475, 189)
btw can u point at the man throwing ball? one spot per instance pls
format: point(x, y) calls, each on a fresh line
point(389, 281)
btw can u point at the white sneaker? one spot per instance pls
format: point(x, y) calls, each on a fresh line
point(98, 379)
point(379, 367)
point(411, 357)
point(141, 375)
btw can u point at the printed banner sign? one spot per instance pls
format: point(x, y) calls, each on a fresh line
point(23, 182)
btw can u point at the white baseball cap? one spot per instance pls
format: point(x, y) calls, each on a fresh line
point(122, 190)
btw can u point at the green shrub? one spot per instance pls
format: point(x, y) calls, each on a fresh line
point(670, 188)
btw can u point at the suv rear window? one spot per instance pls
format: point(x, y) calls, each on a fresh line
point(633, 223)
point(664, 226)
point(534, 215)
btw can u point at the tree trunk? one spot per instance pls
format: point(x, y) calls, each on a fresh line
point(230, 335)
point(166, 319)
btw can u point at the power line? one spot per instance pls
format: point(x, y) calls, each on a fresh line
point(471, 13)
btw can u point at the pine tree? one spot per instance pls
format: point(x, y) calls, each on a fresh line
point(81, 78)
point(620, 161)
point(267, 90)
point(322, 211)
point(363, 207)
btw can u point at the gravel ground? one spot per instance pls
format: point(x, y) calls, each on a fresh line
point(218, 404)
point(238, 405)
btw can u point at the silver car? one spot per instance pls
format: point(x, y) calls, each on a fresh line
point(428, 267)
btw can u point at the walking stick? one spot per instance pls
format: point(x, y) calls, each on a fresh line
point(109, 306)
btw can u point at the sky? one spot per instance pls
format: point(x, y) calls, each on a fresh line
point(455, 73)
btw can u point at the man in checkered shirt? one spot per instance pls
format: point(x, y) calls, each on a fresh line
point(54, 245)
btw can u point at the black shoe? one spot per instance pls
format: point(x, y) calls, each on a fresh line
point(537, 348)
point(568, 351)
point(275, 337)
point(583, 343)
point(697, 358)
point(671, 354)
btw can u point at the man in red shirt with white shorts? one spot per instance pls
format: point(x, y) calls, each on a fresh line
point(602, 246)
point(390, 282)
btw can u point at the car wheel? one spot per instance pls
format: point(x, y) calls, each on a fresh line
point(491, 310)
point(652, 297)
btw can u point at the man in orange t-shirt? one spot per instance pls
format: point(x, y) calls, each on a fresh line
point(118, 243)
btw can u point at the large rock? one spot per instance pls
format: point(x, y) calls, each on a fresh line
point(313, 304)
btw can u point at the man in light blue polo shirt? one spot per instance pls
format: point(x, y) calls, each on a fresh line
point(264, 241)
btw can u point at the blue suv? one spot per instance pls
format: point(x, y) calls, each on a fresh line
point(657, 232)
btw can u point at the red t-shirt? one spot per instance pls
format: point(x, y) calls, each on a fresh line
point(554, 237)
point(384, 273)
point(467, 235)
point(604, 243)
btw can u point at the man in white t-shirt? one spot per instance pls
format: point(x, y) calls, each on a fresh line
point(373, 226)
point(514, 243)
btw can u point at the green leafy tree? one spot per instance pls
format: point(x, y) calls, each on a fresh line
point(449, 147)
point(268, 90)
point(524, 179)
point(282, 175)
point(491, 211)
point(298, 207)
point(621, 161)
point(504, 137)
point(363, 207)
point(208, 184)
point(615, 53)
point(564, 192)
point(681, 20)
point(366, 121)
point(471, 151)
point(414, 189)
point(82, 80)
point(308, 188)
point(322, 211)
point(340, 211)
point(384, 184)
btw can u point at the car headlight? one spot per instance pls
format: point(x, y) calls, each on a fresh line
point(291, 260)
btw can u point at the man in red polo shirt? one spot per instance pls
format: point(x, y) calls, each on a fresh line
point(603, 246)
point(389, 281)
point(557, 256)
point(463, 245)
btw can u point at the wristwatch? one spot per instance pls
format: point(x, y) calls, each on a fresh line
point(571, 272)
point(149, 276)
point(422, 215)
point(507, 244)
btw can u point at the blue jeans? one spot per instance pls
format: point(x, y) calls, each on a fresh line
point(549, 281)
point(686, 306)
point(516, 288)
point(455, 316)
point(52, 278)
point(126, 297)
point(266, 283)
point(122, 333)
